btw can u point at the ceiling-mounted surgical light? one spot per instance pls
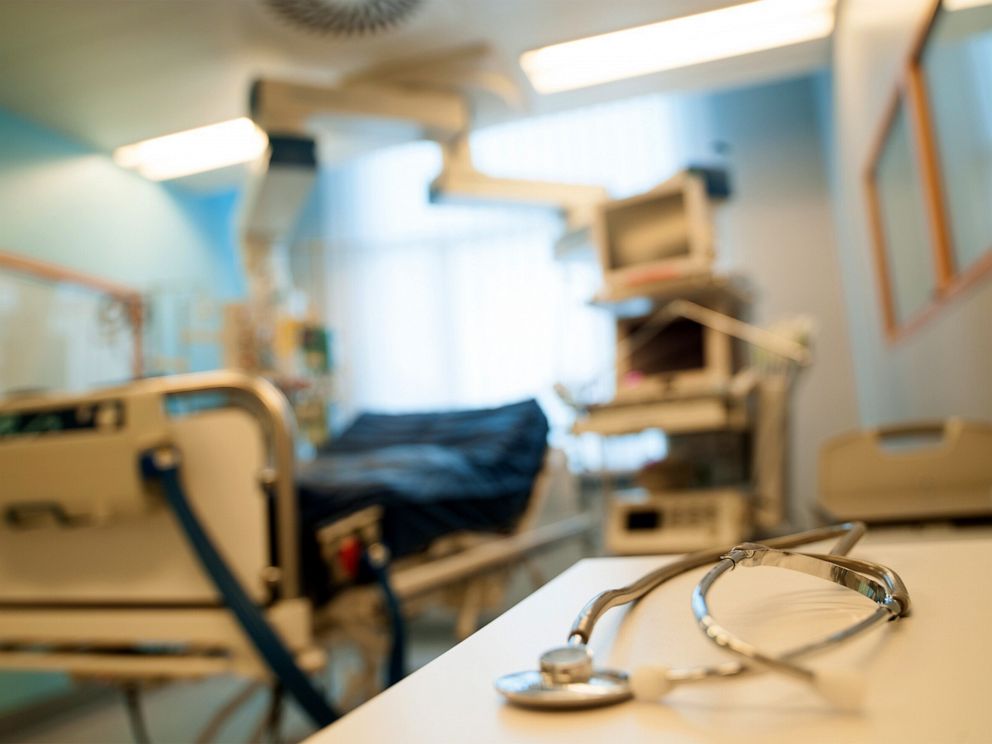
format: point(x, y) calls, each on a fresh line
point(195, 150)
point(679, 42)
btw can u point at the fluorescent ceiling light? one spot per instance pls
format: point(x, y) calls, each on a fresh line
point(962, 4)
point(679, 42)
point(195, 150)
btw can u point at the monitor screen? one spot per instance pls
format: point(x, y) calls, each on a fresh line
point(647, 230)
point(676, 347)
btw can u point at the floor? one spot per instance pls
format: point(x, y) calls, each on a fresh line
point(179, 712)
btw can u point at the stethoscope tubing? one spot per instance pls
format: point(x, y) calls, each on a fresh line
point(888, 592)
point(581, 631)
point(568, 679)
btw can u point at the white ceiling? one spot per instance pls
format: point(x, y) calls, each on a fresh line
point(110, 72)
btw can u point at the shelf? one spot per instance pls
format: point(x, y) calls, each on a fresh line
point(706, 289)
point(710, 413)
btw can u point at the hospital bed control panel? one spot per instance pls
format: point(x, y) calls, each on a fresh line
point(105, 416)
point(92, 446)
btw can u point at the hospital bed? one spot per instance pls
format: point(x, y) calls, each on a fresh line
point(429, 474)
point(153, 532)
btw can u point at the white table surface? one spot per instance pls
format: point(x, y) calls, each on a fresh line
point(928, 677)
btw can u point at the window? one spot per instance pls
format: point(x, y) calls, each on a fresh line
point(457, 305)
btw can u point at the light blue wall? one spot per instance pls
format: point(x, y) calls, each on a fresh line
point(67, 204)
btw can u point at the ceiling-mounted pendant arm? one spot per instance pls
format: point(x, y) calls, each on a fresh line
point(278, 188)
point(476, 71)
point(460, 180)
point(285, 108)
point(288, 112)
point(438, 108)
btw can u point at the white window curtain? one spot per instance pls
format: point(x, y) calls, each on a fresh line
point(444, 306)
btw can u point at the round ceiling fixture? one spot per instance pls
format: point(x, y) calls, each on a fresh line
point(344, 17)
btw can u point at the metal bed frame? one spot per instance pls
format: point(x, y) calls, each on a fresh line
point(136, 643)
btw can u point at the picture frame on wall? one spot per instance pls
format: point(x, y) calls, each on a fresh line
point(928, 179)
point(905, 222)
point(952, 70)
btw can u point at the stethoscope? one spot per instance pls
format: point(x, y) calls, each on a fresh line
point(567, 678)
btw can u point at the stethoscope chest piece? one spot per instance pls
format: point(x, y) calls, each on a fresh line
point(566, 680)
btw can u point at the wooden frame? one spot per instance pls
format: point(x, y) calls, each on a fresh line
point(911, 91)
point(893, 328)
point(129, 298)
point(957, 280)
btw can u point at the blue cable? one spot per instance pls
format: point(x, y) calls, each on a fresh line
point(396, 669)
point(269, 645)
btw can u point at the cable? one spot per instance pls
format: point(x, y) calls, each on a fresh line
point(375, 558)
point(163, 465)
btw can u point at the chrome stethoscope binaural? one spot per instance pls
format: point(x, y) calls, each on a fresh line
point(567, 679)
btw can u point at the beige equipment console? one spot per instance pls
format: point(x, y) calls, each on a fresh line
point(932, 470)
point(641, 522)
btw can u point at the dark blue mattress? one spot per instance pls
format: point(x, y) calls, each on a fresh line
point(432, 474)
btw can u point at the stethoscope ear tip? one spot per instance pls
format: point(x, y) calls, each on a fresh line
point(650, 683)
